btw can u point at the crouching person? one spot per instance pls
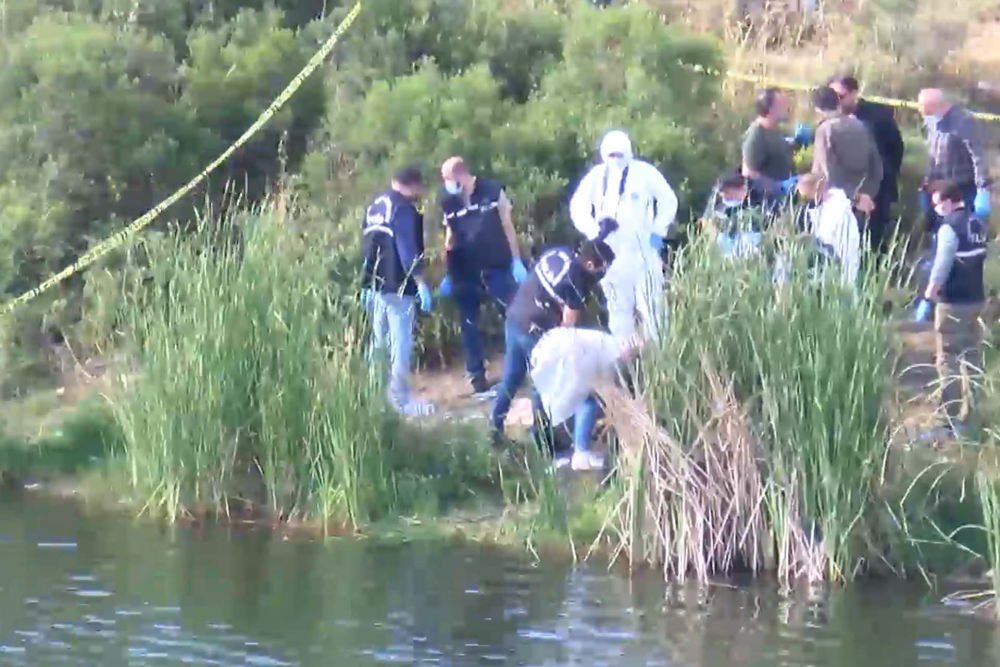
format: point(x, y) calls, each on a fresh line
point(731, 220)
point(392, 248)
point(567, 367)
point(553, 296)
point(956, 287)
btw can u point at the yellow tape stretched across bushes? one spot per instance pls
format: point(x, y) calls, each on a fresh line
point(117, 239)
point(888, 101)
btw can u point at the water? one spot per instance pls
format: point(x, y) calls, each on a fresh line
point(84, 590)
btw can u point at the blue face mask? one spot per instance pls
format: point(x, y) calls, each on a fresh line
point(452, 187)
point(931, 122)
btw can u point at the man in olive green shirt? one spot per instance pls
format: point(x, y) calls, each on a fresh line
point(767, 151)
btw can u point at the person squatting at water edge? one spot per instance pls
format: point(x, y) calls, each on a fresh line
point(392, 249)
point(637, 196)
point(553, 296)
point(482, 256)
point(732, 220)
point(956, 294)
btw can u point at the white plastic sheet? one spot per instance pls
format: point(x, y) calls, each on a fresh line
point(568, 364)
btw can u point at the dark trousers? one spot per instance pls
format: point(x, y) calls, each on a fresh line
point(958, 332)
point(470, 292)
point(517, 357)
point(877, 225)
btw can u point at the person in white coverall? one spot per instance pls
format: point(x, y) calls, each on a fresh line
point(636, 195)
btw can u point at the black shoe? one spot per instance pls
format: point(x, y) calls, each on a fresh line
point(481, 386)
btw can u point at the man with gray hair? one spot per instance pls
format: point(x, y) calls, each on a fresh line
point(955, 153)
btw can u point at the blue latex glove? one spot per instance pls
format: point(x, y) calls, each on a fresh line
point(444, 289)
point(787, 184)
point(656, 241)
point(982, 203)
point(923, 311)
point(924, 201)
point(518, 270)
point(803, 134)
point(367, 297)
point(424, 296)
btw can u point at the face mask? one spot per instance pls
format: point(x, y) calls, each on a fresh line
point(940, 210)
point(931, 122)
point(619, 163)
point(452, 187)
point(731, 203)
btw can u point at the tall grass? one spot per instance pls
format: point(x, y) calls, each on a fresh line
point(767, 432)
point(248, 380)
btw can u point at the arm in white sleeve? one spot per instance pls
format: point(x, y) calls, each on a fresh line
point(944, 258)
point(666, 202)
point(581, 206)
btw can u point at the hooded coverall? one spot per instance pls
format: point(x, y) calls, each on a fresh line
point(638, 197)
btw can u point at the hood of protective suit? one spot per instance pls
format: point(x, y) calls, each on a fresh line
point(616, 141)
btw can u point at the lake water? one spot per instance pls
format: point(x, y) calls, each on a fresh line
point(77, 589)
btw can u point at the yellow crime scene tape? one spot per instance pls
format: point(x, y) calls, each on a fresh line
point(119, 238)
point(888, 101)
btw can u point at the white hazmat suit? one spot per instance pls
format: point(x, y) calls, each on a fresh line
point(638, 197)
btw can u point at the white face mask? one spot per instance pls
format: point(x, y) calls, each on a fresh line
point(931, 122)
point(731, 203)
point(617, 163)
point(452, 187)
point(940, 210)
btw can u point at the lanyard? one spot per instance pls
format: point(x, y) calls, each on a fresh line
point(594, 209)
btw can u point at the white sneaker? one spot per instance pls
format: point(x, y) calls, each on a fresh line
point(587, 461)
point(561, 462)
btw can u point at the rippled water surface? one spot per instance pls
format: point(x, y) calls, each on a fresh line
point(83, 590)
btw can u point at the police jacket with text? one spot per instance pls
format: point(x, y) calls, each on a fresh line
point(392, 244)
point(478, 239)
point(555, 282)
point(965, 280)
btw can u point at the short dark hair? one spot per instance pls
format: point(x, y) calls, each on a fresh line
point(846, 80)
point(597, 251)
point(949, 191)
point(409, 176)
point(731, 181)
point(825, 98)
point(765, 101)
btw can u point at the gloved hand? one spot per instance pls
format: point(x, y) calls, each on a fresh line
point(787, 184)
point(656, 241)
point(924, 202)
point(982, 203)
point(424, 296)
point(518, 270)
point(444, 288)
point(367, 297)
point(803, 134)
point(923, 311)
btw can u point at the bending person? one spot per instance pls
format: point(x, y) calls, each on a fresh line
point(639, 199)
point(553, 296)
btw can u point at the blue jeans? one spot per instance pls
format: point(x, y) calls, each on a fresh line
point(469, 293)
point(392, 327)
point(519, 346)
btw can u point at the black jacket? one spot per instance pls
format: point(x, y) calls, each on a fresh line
point(881, 122)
